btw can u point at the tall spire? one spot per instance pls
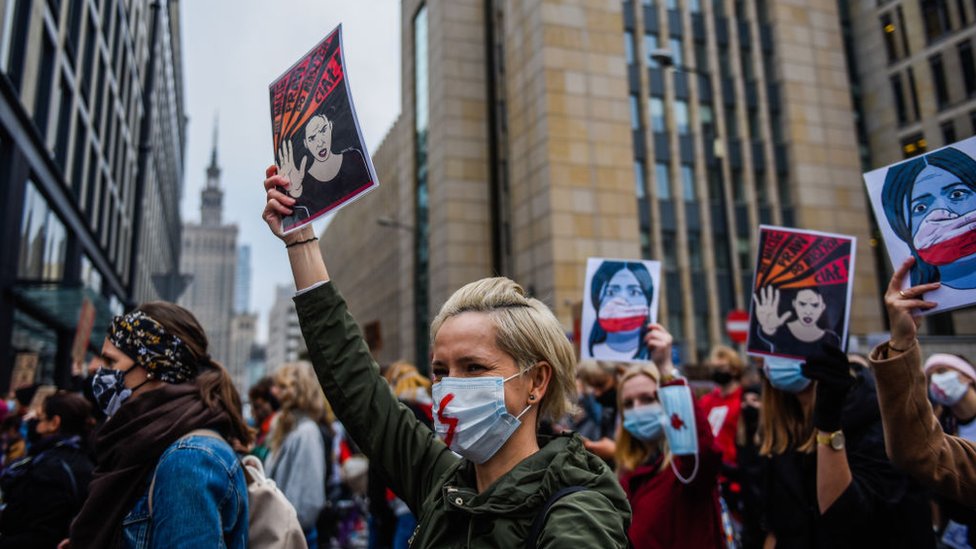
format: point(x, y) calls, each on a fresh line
point(213, 170)
point(212, 197)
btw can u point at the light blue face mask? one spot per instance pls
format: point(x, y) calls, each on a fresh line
point(785, 374)
point(645, 423)
point(470, 415)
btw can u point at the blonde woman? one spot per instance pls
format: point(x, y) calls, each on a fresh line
point(667, 512)
point(501, 363)
point(825, 480)
point(297, 461)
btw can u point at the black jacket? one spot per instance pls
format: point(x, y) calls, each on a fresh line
point(882, 507)
point(43, 492)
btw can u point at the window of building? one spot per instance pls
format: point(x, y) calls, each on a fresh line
point(888, 31)
point(629, 47)
point(939, 80)
point(707, 118)
point(964, 16)
point(656, 108)
point(899, 96)
point(63, 131)
point(677, 56)
point(913, 90)
point(935, 13)
point(650, 45)
point(718, 8)
point(731, 122)
point(965, 49)
point(694, 6)
point(640, 189)
point(948, 132)
point(43, 239)
point(755, 128)
point(688, 183)
point(738, 187)
point(634, 113)
point(672, 4)
point(681, 117)
point(662, 180)
point(715, 190)
point(421, 227)
point(913, 145)
point(45, 81)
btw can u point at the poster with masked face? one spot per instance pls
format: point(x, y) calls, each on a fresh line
point(318, 144)
point(620, 299)
point(926, 208)
point(801, 292)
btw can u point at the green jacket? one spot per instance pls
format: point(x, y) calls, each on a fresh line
point(437, 485)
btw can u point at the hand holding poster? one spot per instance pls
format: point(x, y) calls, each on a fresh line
point(801, 292)
point(926, 208)
point(620, 298)
point(318, 145)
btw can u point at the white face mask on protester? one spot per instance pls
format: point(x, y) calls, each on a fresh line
point(946, 389)
point(470, 415)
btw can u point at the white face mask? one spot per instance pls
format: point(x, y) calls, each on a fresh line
point(470, 415)
point(946, 389)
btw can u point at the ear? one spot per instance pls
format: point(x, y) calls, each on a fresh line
point(539, 378)
point(55, 422)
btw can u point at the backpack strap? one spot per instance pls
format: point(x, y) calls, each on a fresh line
point(194, 433)
point(540, 519)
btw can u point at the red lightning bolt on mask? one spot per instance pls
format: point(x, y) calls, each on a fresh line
point(676, 423)
point(451, 422)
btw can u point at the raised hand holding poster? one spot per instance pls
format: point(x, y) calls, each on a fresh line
point(620, 298)
point(318, 144)
point(926, 208)
point(801, 294)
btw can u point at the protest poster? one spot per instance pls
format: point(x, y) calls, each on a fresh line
point(620, 298)
point(318, 144)
point(801, 292)
point(926, 208)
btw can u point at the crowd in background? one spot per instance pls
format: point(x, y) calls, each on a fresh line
point(764, 474)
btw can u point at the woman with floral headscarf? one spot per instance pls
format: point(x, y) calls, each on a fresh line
point(165, 474)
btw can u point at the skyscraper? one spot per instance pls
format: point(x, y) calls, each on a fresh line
point(92, 133)
point(210, 256)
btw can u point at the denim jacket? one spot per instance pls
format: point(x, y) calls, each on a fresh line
point(199, 499)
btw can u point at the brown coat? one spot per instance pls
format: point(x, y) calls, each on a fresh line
point(913, 437)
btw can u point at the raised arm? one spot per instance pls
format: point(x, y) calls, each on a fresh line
point(386, 431)
point(914, 440)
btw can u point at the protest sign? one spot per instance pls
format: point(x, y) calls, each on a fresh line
point(318, 144)
point(926, 208)
point(801, 292)
point(620, 298)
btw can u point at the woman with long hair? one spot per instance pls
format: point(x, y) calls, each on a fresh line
point(501, 363)
point(669, 511)
point(622, 293)
point(825, 480)
point(297, 460)
point(165, 473)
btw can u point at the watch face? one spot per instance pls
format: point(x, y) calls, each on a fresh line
point(837, 441)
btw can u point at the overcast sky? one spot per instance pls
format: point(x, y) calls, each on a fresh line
point(232, 50)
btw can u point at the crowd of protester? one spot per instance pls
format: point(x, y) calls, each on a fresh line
point(508, 440)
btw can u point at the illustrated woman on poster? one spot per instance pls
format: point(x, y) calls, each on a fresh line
point(930, 203)
point(621, 294)
point(802, 336)
point(332, 176)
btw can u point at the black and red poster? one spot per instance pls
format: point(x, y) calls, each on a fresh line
point(318, 144)
point(801, 293)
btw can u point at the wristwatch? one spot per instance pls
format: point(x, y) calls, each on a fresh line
point(835, 440)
